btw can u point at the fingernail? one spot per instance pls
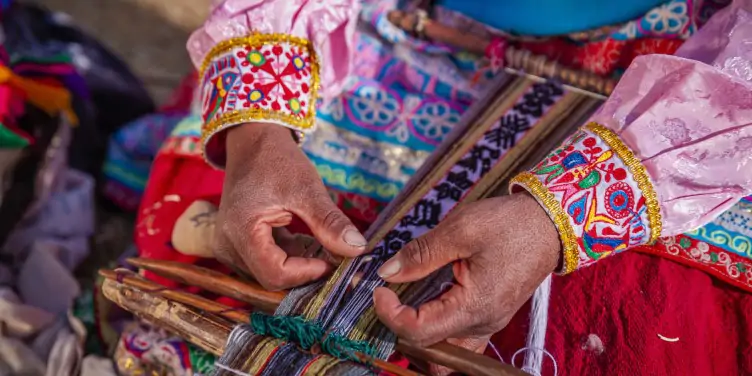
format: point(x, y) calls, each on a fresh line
point(390, 268)
point(354, 238)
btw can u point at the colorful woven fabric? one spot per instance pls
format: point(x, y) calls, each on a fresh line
point(367, 144)
point(131, 152)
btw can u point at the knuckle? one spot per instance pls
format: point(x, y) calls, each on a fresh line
point(332, 218)
point(419, 252)
point(272, 283)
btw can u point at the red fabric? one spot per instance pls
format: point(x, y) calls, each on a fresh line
point(179, 181)
point(627, 301)
point(602, 57)
point(182, 97)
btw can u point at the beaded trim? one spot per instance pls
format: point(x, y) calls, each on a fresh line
point(639, 174)
point(570, 249)
point(598, 194)
point(260, 77)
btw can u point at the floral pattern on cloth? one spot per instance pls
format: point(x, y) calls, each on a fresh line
point(722, 248)
point(673, 19)
point(662, 30)
point(598, 195)
point(144, 350)
point(259, 78)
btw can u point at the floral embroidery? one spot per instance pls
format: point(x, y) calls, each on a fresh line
point(598, 195)
point(262, 77)
point(728, 266)
point(674, 19)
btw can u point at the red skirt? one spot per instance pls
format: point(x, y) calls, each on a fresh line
point(638, 314)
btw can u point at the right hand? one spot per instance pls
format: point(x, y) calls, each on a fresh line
point(268, 181)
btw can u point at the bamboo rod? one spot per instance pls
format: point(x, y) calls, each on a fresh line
point(444, 354)
point(237, 316)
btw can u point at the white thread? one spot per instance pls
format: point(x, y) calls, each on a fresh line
point(536, 337)
point(667, 339)
point(535, 372)
point(228, 369)
point(496, 351)
point(445, 286)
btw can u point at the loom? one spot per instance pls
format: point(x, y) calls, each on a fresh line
point(531, 108)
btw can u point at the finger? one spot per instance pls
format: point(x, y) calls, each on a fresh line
point(419, 258)
point(291, 244)
point(432, 322)
point(273, 268)
point(225, 253)
point(330, 226)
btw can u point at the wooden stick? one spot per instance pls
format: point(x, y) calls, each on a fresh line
point(210, 280)
point(238, 316)
point(515, 58)
point(205, 331)
point(443, 353)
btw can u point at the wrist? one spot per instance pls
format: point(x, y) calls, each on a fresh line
point(251, 139)
point(543, 229)
point(523, 217)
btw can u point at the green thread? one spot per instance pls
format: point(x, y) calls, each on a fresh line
point(309, 335)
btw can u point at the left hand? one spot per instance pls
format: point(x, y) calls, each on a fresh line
point(501, 250)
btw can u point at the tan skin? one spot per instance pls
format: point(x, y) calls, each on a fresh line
point(501, 248)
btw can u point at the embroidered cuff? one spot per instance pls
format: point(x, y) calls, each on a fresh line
point(597, 193)
point(269, 78)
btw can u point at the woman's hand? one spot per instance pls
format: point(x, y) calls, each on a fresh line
point(268, 181)
point(501, 250)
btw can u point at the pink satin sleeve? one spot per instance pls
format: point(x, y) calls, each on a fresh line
point(269, 61)
point(670, 150)
point(328, 24)
point(688, 118)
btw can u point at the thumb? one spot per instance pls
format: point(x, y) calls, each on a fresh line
point(331, 227)
point(418, 259)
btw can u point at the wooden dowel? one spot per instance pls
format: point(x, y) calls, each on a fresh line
point(515, 58)
point(210, 280)
point(207, 332)
point(238, 316)
point(443, 353)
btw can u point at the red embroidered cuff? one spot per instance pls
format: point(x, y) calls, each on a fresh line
point(597, 193)
point(269, 78)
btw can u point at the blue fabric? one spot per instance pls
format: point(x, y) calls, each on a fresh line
point(549, 17)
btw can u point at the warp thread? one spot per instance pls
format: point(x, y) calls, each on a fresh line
point(308, 336)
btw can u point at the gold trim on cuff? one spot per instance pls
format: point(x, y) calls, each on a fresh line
point(570, 248)
point(247, 115)
point(639, 174)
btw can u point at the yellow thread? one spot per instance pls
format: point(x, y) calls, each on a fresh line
point(639, 174)
point(566, 232)
point(254, 363)
point(247, 115)
point(369, 319)
point(313, 308)
point(321, 365)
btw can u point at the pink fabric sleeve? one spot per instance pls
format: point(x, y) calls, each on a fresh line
point(669, 151)
point(270, 61)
